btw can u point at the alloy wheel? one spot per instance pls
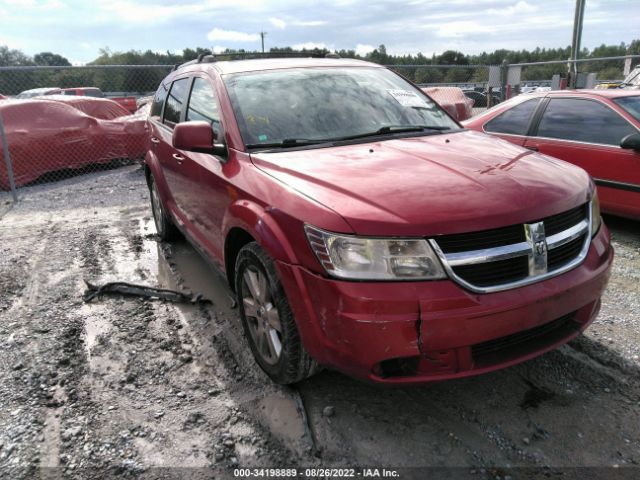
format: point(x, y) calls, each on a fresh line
point(262, 316)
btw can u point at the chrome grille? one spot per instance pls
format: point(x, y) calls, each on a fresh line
point(516, 255)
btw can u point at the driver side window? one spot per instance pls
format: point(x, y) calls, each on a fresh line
point(203, 104)
point(175, 102)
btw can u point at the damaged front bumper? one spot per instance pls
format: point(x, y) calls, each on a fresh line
point(416, 332)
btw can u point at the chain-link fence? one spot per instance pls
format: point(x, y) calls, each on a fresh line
point(83, 119)
point(74, 120)
point(599, 73)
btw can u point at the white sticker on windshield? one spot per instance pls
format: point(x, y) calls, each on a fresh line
point(407, 98)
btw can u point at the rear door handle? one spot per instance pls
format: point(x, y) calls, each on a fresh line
point(155, 140)
point(179, 158)
point(533, 148)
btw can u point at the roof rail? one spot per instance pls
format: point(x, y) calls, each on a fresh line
point(209, 57)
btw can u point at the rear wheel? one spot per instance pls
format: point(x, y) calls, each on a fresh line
point(164, 225)
point(267, 319)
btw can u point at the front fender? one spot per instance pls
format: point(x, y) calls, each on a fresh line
point(153, 168)
point(260, 223)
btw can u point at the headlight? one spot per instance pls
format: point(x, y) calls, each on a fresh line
point(596, 219)
point(361, 258)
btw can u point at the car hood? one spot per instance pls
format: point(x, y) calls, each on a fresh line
point(430, 185)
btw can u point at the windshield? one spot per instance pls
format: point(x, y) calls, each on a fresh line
point(631, 105)
point(323, 104)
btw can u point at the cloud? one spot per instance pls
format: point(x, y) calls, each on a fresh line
point(232, 36)
point(309, 23)
point(310, 46)
point(461, 28)
point(278, 23)
point(516, 9)
point(362, 49)
point(218, 49)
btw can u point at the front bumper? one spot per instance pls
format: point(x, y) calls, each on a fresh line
point(416, 332)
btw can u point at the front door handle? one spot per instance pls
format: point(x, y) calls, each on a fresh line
point(533, 148)
point(178, 158)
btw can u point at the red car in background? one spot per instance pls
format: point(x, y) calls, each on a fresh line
point(127, 102)
point(49, 134)
point(598, 130)
point(453, 100)
point(363, 229)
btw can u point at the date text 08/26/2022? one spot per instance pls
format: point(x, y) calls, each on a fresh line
point(309, 473)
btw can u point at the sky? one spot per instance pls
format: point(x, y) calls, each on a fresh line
point(77, 29)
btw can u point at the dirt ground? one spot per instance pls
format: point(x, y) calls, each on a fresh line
point(131, 387)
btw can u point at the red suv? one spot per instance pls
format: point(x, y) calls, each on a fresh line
point(363, 229)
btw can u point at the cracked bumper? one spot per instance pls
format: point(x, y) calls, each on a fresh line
point(360, 328)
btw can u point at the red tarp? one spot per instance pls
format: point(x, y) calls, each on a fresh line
point(453, 100)
point(57, 133)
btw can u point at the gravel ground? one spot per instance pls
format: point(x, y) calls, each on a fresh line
point(150, 389)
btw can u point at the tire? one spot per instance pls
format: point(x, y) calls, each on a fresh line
point(267, 319)
point(164, 225)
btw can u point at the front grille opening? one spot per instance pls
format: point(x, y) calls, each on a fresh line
point(464, 242)
point(494, 273)
point(560, 256)
point(564, 221)
point(504, 272)
point(524, 342)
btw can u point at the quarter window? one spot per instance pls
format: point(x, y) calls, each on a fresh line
point(203, 104)
point(583, 120)
point(514, 121)
point(175, 102)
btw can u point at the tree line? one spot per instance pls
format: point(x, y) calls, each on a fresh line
point(147, 79)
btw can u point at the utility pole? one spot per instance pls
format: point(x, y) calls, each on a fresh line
point(262, 35)
point(575, 42)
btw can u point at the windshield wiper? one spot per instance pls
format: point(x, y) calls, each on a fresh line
point(391, 129)
point(287, 143)
point(386, 130)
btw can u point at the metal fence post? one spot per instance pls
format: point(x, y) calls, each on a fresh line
point(7, 160)
point(503, 80)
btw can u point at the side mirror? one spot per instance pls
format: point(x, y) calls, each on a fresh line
point(198, 136)
point(631, 141)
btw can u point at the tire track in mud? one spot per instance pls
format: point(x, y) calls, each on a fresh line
point(122, 386)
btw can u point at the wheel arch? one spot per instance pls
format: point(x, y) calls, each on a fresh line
point(247, 222)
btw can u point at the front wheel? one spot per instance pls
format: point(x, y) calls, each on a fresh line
point(267, 319)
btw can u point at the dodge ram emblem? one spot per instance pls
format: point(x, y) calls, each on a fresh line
point(536, 239)
point(540, 248)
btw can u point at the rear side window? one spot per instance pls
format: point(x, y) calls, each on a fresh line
point(175, 102)
point(583, 121)
point(514, 121)
point(69, 92)
point(158, 102)
point(203, 104)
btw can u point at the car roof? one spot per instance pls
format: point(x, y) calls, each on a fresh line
point(42, 89)
point(262, 64)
